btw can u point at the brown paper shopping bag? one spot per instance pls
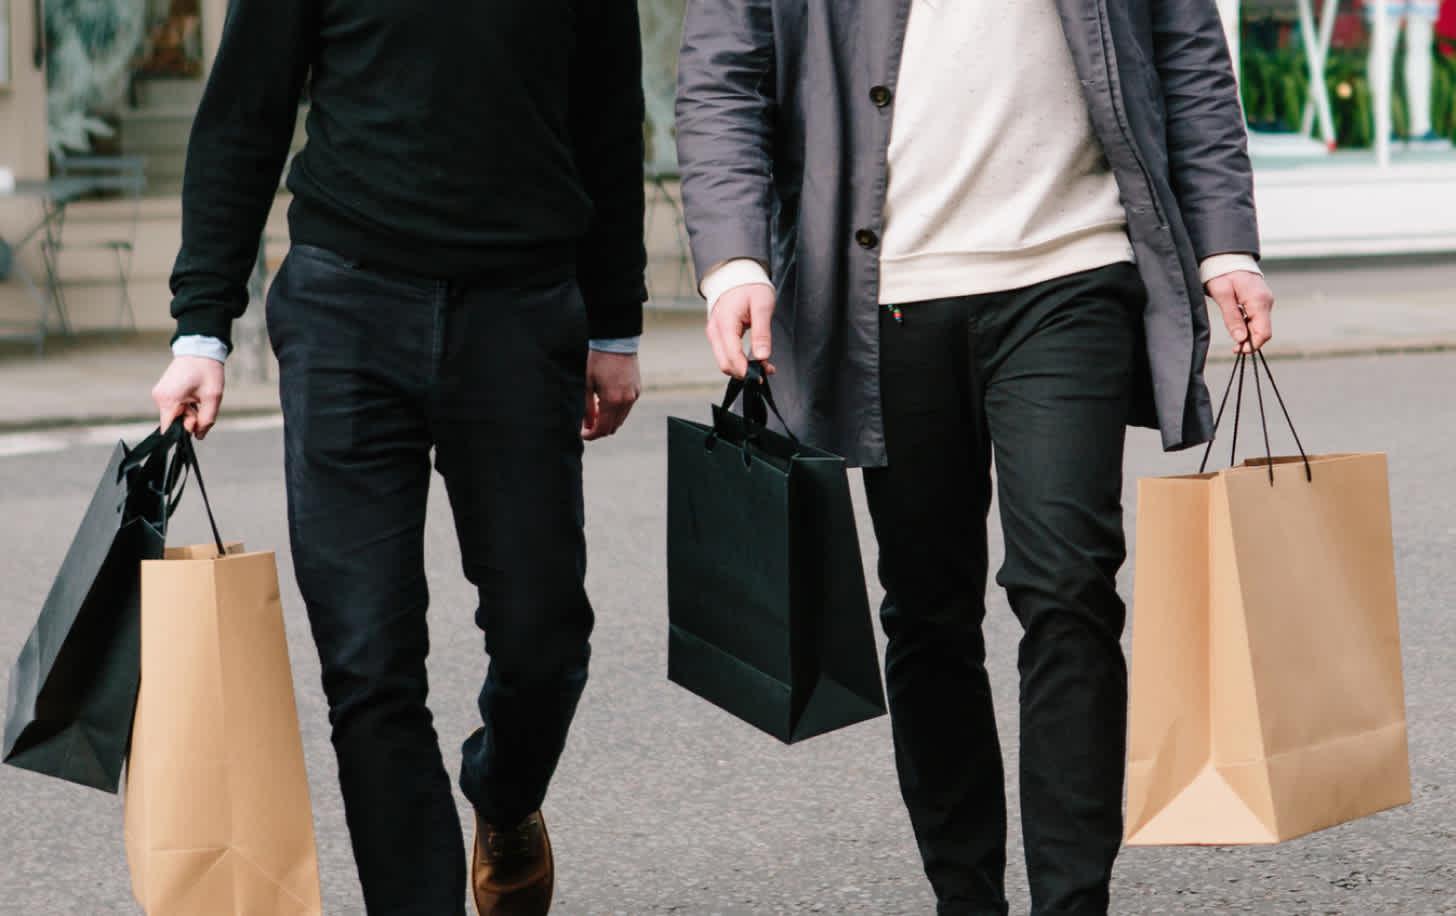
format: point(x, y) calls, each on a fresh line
point(218, 820)
point(1266, 685)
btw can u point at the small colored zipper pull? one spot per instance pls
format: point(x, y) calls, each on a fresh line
point(896, 314)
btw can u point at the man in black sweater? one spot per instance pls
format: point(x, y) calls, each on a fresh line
point(466, 276)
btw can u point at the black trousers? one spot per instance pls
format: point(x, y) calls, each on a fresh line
point(376, 371)
point(1040, 378)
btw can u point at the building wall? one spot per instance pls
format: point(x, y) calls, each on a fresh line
point(22, 150)
point(22, 102)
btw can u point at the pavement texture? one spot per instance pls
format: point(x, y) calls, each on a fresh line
point(664, 804)
point(1324, 309)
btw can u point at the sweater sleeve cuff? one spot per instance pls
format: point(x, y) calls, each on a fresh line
point(200, 345)
point(1219, 264)
point(730, 274)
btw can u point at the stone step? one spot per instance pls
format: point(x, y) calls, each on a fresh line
point(169, 92)
point(148, 130)
point(160, 133)
point(164, 167)
point(168, 127)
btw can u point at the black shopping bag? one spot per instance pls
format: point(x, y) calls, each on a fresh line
point(73, 690)
point(767, 610)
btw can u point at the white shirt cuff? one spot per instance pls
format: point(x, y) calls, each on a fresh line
point(1219, 264)
point(731, 274)
point(623, 346)
point(200, 345)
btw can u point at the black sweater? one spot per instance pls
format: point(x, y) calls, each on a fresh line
point(458, 139)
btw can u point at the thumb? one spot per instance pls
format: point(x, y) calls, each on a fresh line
point(760, 315)
point(207, 407)
point(589, 419)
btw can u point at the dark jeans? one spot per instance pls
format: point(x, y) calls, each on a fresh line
point(376, 370)
point(1041, 378)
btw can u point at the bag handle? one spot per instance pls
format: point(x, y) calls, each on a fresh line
point(159, 440)
point(174, 480)
point(187, 455)
point(758, 400)
point(1238, 372)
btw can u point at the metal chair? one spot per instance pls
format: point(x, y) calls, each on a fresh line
point(124, 176)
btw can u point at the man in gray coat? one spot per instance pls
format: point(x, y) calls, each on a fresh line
point(973, 230)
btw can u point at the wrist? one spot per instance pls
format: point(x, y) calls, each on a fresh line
point(1218, 265)
point(730, 275)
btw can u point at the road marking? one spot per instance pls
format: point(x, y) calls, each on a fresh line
point(58, 440)
point(251, 424)
point(109, 435)
point(30, 444)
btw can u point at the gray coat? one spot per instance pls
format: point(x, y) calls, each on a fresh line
point(783, 122)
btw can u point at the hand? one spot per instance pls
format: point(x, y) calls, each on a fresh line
point(1247, 289)
point(748, 307)
point(191, 386)
point(613, 385)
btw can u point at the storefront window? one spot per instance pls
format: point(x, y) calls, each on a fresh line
point(1320, 76)
point(1351, 108)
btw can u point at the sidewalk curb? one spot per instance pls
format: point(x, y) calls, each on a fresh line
point(43, 424)
point(1378, 348)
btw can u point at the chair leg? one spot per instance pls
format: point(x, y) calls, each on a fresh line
point(125, 316)
point(50, 249)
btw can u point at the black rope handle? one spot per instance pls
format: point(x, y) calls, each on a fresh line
point(189, 453)
point(1240, 364)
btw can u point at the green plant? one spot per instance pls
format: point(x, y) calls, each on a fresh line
point(1351, 99)
point(1443, 96)
point(1275, 89)
point(1275, 86)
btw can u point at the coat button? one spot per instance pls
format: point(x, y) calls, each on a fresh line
point(866, 239)
point(880, 95)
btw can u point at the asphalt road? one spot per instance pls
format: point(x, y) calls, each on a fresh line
point(664, 804)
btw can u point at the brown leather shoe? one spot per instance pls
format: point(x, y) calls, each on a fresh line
point(512, 872)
